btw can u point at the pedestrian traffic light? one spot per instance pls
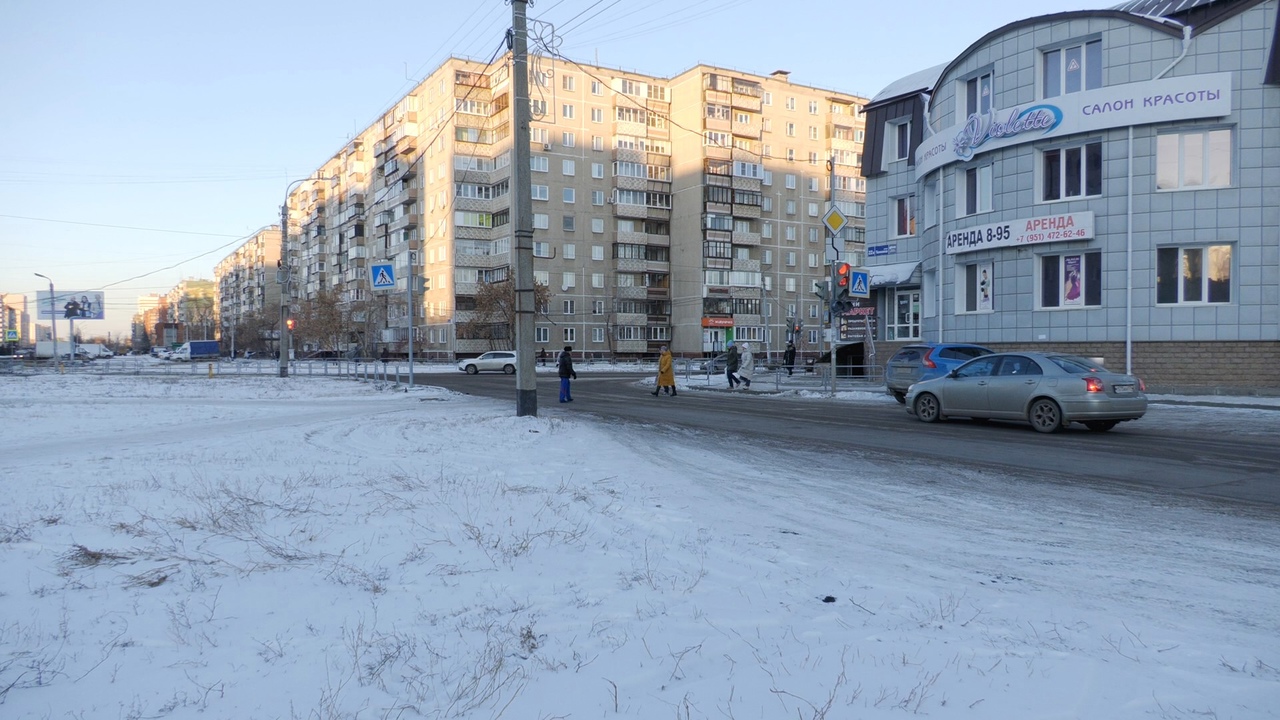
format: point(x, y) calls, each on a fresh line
point(840, 300)
point(290, 324)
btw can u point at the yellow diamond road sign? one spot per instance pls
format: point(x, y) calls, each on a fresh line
point(835, 220)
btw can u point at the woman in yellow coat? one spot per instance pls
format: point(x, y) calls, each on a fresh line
point(666, 373)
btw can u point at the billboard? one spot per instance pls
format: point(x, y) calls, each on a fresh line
point(70, 304)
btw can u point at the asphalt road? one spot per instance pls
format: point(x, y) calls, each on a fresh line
point(1209, 453)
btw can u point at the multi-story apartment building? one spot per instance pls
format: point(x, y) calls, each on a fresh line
point(249, 286)
point(1102, 182)
point(683, 211)
point(191, 312)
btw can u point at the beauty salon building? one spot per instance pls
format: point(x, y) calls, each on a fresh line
point(1100, 182)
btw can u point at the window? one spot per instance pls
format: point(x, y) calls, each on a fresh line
point(597, 197)
point(904, 216)
point(597, 88)
point(569, 195)
point(568, 167)
point(718, 139)
point(813, 209)
point(1193, 274)
point(597, 280)
point(975, 287)
point(978, 95)
point(1072, 172)
point(766, 230)
point(597, 170)
point(541, 221)
point(791, 129)
point(789, 284)
point(597, 335)
point(905, 322)
point(597, 225)
point(567, 223)
point(789, 232)
point(768, 98)
point(791, 103)
point(1071, 280)
point(899, 139)
point(977, 190)
point(597, 252)
point(791, 207)
point(567, 82)
point(791, 259)
point(542, 335)
point(566, 111)
point(570, 335)
point(813, 235)
point(813, 184)
point(813, 132)
point(538, 108)
point(1072, 68)
point(540, 192)
point(791, 154)
point(791, 182)
point(597, 143)
point(768, 178)
point(766, 203)
point(539, 163)
point(597, 306)
point(766, 257)
point(567, 139)
point(813, 260)
point(813, 107)
point(541, 249)
point(1192, 160)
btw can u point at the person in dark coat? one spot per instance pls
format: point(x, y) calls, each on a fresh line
point(566, 372)
point(731, 362)
point(789, 357)
point(542, 356)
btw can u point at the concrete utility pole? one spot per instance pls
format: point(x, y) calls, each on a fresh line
point(282, 275)
point(526, 377)
point(835, 258)
point(412, 259)
point(53, 317)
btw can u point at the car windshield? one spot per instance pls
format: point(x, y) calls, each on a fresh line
point(1076, 365)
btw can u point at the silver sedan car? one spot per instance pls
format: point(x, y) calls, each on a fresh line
point(1048, 390)
point(500, 360)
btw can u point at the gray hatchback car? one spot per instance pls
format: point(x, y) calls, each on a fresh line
point(925, 361)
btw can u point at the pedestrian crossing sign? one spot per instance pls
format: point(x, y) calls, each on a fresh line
point(11, 336)
point(383, 276)
point(859, 284)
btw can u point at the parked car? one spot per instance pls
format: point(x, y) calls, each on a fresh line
point(1047, 390)
point(503, 360)
point(925, 361)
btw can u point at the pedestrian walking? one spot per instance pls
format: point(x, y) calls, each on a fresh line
point(731, 361)
point(666, 374)
point(789, 357)
point(746, 365)
point(566, 372)
point(542, 357)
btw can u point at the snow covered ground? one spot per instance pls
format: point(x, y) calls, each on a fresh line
point(258, 547)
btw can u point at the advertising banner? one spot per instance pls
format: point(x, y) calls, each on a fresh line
point(1027, 231)
point(70, 304)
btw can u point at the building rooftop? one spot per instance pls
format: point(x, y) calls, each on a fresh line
point(921, 81)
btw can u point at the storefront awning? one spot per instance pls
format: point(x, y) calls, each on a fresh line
point(896, 274)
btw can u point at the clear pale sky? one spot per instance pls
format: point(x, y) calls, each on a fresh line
point(118, 120)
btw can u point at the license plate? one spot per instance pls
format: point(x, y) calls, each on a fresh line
point(1123, 389)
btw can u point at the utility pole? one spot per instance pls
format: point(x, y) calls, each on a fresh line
point(526, 377)
point(412, 289)
point(835, 258)
point(282, 275)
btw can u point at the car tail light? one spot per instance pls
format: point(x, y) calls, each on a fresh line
point(927, 362)
point(1093, 384)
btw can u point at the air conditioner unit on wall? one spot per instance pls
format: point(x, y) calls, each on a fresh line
point(546, 146)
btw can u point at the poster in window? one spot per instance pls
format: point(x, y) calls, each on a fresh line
point(986, 279)
point(1072, 293)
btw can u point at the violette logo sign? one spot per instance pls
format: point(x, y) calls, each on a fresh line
point(979, 129)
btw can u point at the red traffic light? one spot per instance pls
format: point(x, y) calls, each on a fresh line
point(289, 323)
point(842, 274)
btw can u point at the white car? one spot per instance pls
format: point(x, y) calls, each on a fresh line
point(500, 360)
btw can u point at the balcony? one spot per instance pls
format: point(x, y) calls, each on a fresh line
point(724, 125)
point(747, 102)
point(631, 293)
point(629, 265)
point(746, 238)
point(628, 210)
point(746, 211)
point(632, 319)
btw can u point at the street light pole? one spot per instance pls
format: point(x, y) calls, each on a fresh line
point(284, 275)
point(53, 317)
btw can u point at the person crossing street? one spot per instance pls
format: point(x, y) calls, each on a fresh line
point(566, 371)
point(666, 374)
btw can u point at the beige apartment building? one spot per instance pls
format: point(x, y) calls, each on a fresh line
point(683, 211)
point(249, 287)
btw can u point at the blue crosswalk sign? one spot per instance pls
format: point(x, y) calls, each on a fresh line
point(383, 276)
point(859, 284)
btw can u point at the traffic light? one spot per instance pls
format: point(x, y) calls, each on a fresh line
point(290, 323)
point(840, 300)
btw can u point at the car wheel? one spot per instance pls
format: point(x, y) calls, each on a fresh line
point(472, 369)
point(509, 369)
point(901, 397)
point(1101, 425)
point(927, 408)
point(1045, 416)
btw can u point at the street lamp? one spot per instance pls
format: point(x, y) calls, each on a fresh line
point(284, 274)
point(53, 317)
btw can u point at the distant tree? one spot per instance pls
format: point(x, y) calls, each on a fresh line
point(200, 314)
point(494, 316)
point(324, 323)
